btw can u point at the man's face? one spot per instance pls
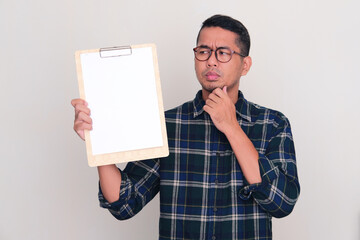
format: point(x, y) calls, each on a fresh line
point(213, 74)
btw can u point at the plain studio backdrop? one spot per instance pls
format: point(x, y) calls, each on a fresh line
point(305, 64)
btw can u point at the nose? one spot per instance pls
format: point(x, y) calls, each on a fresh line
point(212, 61)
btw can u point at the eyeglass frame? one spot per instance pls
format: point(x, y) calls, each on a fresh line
point(216, 56)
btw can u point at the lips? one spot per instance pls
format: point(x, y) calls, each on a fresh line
point(212, 75)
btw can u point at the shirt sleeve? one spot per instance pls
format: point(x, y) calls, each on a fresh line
point(279, 189)
point(140, 182)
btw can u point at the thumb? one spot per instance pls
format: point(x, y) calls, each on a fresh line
point(225, 89)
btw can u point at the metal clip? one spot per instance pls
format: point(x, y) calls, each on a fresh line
point(115, 51)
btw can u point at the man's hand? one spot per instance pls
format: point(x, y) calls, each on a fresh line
point(221, 110)
point(82, 120)
point(109, 175)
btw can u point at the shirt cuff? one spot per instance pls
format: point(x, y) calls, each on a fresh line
point(124, 193)
point(269, 172)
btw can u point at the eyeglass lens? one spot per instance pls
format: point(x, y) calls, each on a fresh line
point(222, 54)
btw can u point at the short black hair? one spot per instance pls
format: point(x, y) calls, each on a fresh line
point(233, 25)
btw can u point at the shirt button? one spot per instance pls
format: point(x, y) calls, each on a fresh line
point(213, 238)
point(216, 181)
point(215, 209)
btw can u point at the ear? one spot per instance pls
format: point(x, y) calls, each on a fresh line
point(247, 62)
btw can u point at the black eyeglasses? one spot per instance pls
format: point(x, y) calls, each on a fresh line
point(222, 54)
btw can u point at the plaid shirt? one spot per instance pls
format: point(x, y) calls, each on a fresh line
point(203, 192)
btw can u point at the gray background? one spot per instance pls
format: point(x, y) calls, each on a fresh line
point(305, 64)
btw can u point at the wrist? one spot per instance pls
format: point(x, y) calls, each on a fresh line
point(233, 130)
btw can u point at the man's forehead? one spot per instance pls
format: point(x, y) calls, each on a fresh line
point(217, 37)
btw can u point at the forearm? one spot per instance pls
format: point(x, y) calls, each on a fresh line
point(127, 193)
point(279, 189)
point(274, 191)
point(110, 180)
point(245, 152)
point(278, 192)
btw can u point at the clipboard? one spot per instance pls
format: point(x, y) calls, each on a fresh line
point(123, 90)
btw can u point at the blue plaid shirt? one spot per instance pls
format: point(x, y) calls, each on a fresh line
point(203, 192)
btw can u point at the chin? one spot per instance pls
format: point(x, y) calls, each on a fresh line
point(211, 87)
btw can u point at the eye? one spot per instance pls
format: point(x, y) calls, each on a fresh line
point(224, 52)
point(203, 51)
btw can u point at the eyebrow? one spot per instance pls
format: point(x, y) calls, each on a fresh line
point(206, 46)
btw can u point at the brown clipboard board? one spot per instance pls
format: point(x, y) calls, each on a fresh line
point(111, 80)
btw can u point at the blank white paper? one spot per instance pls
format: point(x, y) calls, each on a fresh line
point(122, 97)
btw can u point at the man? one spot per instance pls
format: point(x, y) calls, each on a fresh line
point(232, 163)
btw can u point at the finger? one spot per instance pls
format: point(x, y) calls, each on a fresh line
point(80, 105)
point(83, 117)
point(218, 92)
point(81, 127)
point(214, 97)
point(80, 101)
point(222, 93)
point(211, 103)
point(81, 108)
point(81, 134)
point(208, 109)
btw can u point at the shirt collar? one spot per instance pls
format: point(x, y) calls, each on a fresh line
point(198, 104)
point(242, 106)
